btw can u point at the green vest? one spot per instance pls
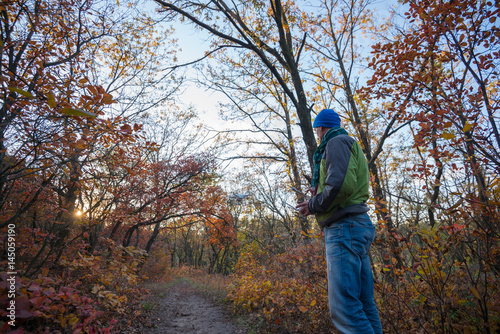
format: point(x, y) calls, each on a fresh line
point(353, 186)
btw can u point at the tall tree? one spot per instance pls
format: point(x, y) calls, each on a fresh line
point(447, 56)
point(263, 29)
point(339, 38)
point(257, 99)
point(447, 64)
point(59, 130)
point(42, 67)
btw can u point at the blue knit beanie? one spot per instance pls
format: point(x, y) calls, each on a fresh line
point(327, 118)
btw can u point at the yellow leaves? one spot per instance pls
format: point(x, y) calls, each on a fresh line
point(467, 127)
point(285, 289)
point(21, 92)
point(475, 292)
point(70, 319)
point(447, 135)
point(51, 100)
point(62, 320)
point(70, 111)
point(96, 288)
point(77, 112)
point(303, 309)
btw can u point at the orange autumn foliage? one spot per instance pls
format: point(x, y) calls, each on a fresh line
point(288, 290)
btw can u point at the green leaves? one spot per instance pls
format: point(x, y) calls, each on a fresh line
point(77, 112)
point(51, 100)
point(21, 92)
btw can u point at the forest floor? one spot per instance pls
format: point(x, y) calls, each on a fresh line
point(178, 307)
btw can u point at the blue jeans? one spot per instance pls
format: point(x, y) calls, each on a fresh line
point(350, 277)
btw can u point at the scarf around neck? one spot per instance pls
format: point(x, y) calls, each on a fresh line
point(318, 154)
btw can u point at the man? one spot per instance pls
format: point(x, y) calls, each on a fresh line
point(340, 190)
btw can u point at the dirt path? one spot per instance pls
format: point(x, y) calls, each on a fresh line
point(181, 309)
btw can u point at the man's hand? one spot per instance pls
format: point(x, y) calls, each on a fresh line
point(312, 190)
point(304, 208)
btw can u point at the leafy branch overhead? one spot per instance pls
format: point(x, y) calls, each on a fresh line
point(236, 30)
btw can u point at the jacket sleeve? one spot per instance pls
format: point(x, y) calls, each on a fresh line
point(338, 183)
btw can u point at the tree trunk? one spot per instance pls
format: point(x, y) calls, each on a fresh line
point(153, 237)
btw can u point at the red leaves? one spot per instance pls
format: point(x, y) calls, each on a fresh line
point(65, 302)
point(126, 129)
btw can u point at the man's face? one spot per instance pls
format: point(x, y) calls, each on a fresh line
point(320, 132)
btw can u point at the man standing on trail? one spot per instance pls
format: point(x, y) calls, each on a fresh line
point(340, 190)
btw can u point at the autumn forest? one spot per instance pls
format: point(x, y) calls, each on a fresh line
point(111, 178)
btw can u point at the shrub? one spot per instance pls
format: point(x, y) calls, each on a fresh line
point(82, 293)
point(288, 290)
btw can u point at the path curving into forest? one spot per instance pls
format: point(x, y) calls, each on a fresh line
point(181, 309)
